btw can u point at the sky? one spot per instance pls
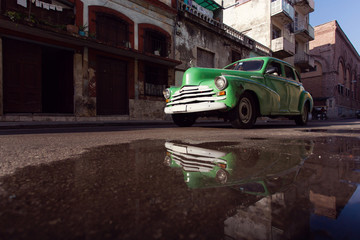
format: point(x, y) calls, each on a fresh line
point(346, 12)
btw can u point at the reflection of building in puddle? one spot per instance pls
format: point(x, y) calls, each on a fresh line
point(335, 175)
point(324, 201)
point(288, 199)
point(258, 221)
point(323, 205)
point(281, 215)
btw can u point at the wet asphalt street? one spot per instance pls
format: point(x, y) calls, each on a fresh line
point(275, 181)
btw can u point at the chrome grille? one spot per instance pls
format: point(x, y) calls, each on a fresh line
point(195, 163)
point(193, 94)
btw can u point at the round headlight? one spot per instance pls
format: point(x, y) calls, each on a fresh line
point(167, 161)
point(221, 82)
point(166, 93)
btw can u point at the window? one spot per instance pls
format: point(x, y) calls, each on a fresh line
point(289, 73)
point(276, 32)
point(340, 88)
point(156, 79)
point(296, 21)
point(112, 30)
point(155, 43)
point(277, 66)
point(246, 66)
point(205, 58)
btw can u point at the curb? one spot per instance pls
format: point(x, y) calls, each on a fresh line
point(39, 125)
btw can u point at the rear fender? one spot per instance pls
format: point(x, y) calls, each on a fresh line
point(305, 98)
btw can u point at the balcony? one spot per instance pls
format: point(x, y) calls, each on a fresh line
point(304, 31)
point(215, 24)
point(305, 6)
point(304, 61)
point(282, 10)
point(283, 47)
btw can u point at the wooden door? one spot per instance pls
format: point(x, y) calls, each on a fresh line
point(112, 90)
point(22, 77)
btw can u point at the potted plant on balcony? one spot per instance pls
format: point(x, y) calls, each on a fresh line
point(157, 51)
point(82, 30)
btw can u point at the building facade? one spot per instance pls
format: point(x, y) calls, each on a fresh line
point(98, 60)
point(203, 40)
point(281, 25)
point(79, 59)
point(334, 83)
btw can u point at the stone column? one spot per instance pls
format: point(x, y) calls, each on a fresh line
point(78, 83)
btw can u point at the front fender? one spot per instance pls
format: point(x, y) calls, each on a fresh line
point(269, 100)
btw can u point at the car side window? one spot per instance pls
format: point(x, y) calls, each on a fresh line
point(289, 73)
point(277, 66)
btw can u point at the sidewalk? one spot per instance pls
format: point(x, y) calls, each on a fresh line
point(72, 122)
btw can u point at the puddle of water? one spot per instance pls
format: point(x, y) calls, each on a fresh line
point(255, 189)
point(332, 130)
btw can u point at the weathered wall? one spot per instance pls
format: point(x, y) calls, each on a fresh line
point(191, 36)
point(139, 12)
point(147, 110)
point(252, 18)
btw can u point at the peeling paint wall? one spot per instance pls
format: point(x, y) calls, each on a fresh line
point(140, 13)
point(251, 18)
point(190, 37)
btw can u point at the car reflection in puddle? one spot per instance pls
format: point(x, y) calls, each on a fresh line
point(251, 189)
point(242, 168)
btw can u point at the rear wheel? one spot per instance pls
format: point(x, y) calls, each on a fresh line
point(184, 120)
point(244, 115)
point(302, 119)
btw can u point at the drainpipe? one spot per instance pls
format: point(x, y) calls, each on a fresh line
point(174, 40)
point(175, 28)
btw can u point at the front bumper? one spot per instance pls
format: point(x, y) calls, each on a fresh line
point(195, 107)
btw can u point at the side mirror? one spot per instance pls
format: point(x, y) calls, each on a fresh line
point(271, 70)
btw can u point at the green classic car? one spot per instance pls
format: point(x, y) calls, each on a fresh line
point(240, 93)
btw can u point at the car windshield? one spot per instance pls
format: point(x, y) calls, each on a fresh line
point(254, 65)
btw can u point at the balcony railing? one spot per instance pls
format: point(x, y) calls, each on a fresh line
point(304, 30)
point(184, 7)
point(283, 10)
point(304, 60)
point(229, 31)
point(283, 47)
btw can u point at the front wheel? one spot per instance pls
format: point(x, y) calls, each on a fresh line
point(184, 120)
point(302, 119)
point(244, 115)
